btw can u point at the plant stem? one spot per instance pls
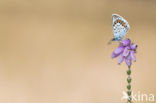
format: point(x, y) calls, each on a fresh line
point(129, 92)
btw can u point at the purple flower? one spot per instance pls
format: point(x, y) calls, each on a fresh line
point(126, 50)
point(121, 58)
point(126, 42)
point(133, 56)
point(119, 50)
point(133, 46)
point(114, 55)
point(128, 60)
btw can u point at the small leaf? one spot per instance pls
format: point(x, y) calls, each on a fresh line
point(129, 87)
point(129, 80)
point(129, 93)
point(129, 72)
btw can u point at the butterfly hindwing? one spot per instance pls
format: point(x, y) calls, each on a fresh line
point(120, 27)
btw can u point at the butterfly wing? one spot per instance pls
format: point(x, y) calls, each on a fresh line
point(120, 27)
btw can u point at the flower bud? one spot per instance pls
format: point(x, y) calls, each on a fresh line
point(121, 58)
point(114, 55)
point(126, 52)
point(126, 42)
point(128, 60)
point(133, 46)
point(119, 50)
point(132, 53)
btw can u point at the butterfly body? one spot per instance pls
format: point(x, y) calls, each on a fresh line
point(120, 27)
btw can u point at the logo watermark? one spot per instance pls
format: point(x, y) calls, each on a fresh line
point(140, 97)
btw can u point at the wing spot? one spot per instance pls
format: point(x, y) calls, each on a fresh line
point(120, 22)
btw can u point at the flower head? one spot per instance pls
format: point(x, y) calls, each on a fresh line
point(126, 51)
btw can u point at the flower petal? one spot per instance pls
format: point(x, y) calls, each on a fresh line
point(133, 46)
point(128, 60)
point(114, 55)
point(119, 50)
point(126, 42)
point(126, 52)
point(121, 58)
point(133, 56)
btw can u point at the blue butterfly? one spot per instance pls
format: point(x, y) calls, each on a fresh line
point(120, 27)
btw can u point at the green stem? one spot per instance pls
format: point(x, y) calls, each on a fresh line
point(129, 91)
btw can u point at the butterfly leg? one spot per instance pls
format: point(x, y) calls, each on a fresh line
point(110, 41)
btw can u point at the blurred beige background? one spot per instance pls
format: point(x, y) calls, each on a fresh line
point(55, 51)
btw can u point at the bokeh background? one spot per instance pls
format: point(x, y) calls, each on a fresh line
point(55, 51)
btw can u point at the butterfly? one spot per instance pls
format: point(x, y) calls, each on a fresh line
point(120, 27)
